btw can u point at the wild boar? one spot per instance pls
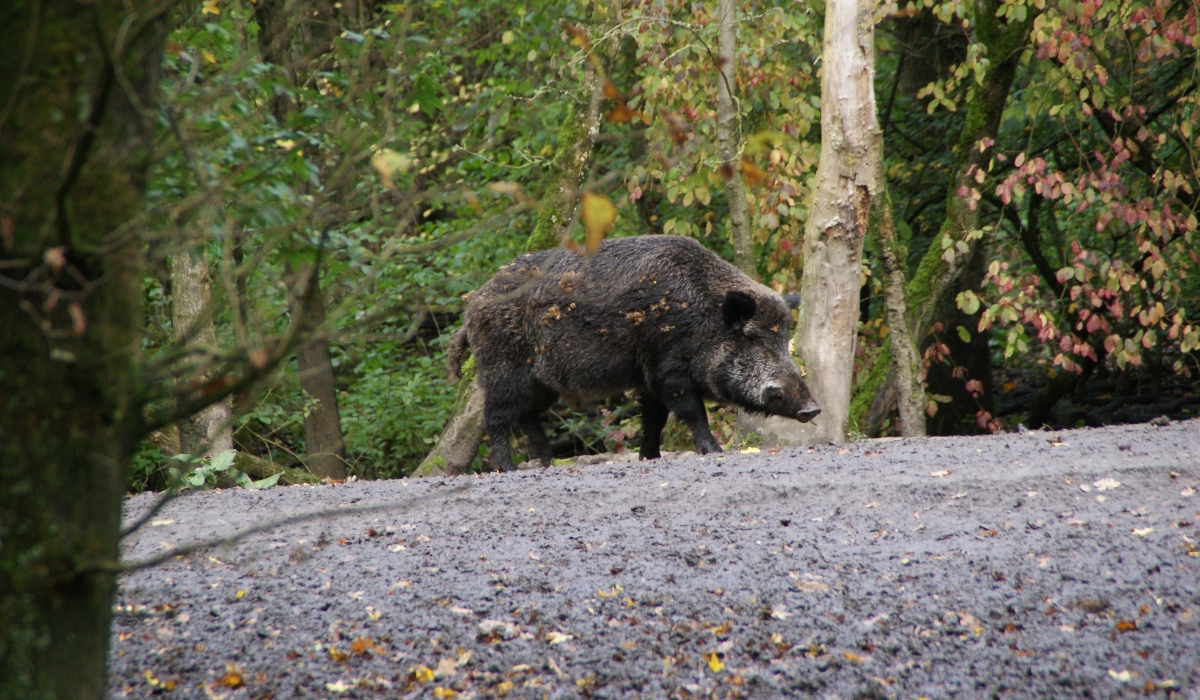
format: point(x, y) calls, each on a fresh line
point(659, 315)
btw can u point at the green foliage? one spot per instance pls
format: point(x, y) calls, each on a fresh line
point(205, 472)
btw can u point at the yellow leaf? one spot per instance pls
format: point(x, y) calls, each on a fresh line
point(750, 451)
point(751, 173)
point(440, 692)
point(387, 163)
point(210, 7)
point(285, 144)
point(208, 56)
point(557, 637)
point(598, 215)
point(240, 594)
point(423, 673)
point(503, 688)
point(508, 37)
point(852, 657)
point(714, 662)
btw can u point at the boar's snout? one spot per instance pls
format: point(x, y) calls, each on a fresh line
point(793, 402)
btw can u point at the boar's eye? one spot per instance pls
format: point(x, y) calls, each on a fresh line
point(773, 393)
point(737, 309)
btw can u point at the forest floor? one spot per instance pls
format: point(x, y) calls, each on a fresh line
point(1032, 565)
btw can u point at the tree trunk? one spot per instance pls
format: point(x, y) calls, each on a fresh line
point(906, 361)
point(937, 272)
point(208, 432)
point(323, 442)
point(838, 216)
point(728, 146)
point(74, 155)
point(460, 440)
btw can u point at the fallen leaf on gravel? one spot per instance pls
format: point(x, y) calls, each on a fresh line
point(339, 687)
point(812, 586)
point(160, 523)
point(1067, 628)
point(504, 630)
point(1106, 484)
point(781, 614)
point(1101, 499)
point(446, 667)
point(240, 594)
point(440, 692)
point(336, 655)
point(610, 593)
point(422, 673)
point(504, 688)
point(750, 451)
point(1187, 492)
point(233, 677)
point(1122, 677)
point(872, 504)
point(558, 637)
point(460, 611)
point(852, 657)
point(1143, 532)
point(960, 494)
point(402, 584)
point(396, 548)
point(1126, 625)
point(843, 450)
point(939, 474)
point(714, 662)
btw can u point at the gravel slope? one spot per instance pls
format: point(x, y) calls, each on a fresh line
point(1049, 565)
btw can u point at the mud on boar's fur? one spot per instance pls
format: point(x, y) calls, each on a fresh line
point(660, 315)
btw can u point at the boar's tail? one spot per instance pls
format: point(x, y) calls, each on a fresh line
point(458, 347)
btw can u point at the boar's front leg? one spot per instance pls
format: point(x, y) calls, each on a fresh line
point(654, 419)
point(684, 401)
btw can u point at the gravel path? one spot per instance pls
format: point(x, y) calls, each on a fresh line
point(1047, 565)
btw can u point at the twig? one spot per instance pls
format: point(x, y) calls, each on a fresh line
point(125, 567)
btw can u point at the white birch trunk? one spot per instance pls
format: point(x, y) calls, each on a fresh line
point(838, 214)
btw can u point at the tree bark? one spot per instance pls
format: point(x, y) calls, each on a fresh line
point(459, 443)
point(838, 215)
point(78, 84)
point(906, 361)
point(323, 443)
point(728, 146)
point(208, 432)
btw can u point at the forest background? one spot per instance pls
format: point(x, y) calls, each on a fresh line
point(361, 165)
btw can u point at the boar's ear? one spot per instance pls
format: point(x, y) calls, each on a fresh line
point(792, 300)
point(738, 308)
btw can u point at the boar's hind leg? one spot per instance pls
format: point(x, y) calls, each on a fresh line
point(684, 401)
point(499, 430)
point(506, 405)
point(654, 419)
point(539, 446)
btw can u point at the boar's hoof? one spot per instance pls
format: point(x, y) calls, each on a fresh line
point(808, 413)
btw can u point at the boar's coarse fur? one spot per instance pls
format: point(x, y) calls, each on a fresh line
point(660, 315)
